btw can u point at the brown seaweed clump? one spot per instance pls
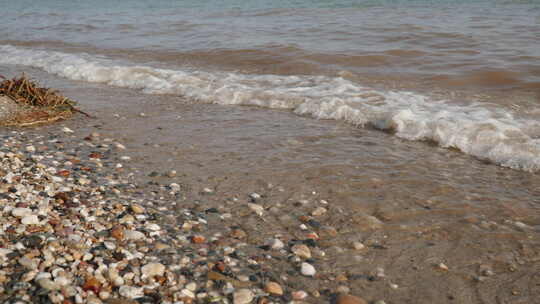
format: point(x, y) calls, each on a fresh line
point(38, 105)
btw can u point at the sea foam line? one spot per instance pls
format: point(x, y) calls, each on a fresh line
point(485, 132)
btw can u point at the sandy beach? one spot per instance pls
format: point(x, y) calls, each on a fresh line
point(161, 200)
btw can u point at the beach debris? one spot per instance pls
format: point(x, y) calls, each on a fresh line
point(38, 104)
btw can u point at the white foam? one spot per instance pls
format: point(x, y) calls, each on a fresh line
point(482, 130)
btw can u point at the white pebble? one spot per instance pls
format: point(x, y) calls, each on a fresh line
point(131, 292)
point(243, 296)
point(307, 269)
point(133, 235)
point(30, 220)
point(152, 269)
point(276, 244)
point(258, 209)
point(21, 212)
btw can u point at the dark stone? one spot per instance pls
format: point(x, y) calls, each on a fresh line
point(313, 223)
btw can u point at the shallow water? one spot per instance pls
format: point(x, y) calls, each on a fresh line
point(350, 61)
point(436, 204)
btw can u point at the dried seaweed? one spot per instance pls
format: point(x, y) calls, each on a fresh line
point(42, 105)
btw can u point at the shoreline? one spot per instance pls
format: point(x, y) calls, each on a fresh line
point(402, 249)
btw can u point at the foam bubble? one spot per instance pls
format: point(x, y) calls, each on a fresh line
point(482, 130)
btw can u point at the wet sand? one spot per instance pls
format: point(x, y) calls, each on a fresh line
point(437, 226)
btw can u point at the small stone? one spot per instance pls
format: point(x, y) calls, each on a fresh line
point(358, 245)
point(276, 244)
point(92, 284)
point(48, 284)
point(152, 269)
point(191, 286)
point(208, 191)
point(30, 264)
point(171, 173)
point(273, 288)
point(302, 251)
point(152, 227)
point(307, 269)
point(299, 295)
point(131, 292)
point(255, 196)
point(104, 295)
point(238, 234)
point(343, 289)
point(349, 299)
point(198, 239)
point(341, 278)
point(137, 209)
point(258, 209)
point(442, 266)
point(161, 246)
point(366, 221)
point(188, 293)
point(21, 212)
point(328, 232)
point(318, 211)
point(95, 155)
point(118, 232)
point(67, 130)
point(133, 235)
point(127, 219)
point(242, 296)
point(30, 220)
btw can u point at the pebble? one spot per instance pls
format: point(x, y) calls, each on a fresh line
point(442, 266)
point(302, 251)
point(137, 209)
point(198, 239)
point(243, 296)
point(255, 196)
point(152, 269)
point(276, 244)
point(299, 295)
point(343, 289)
point(31, 264)
point(133, 235)
point(30, 220)
point(349, 299)
point(307, 269)
point(273, 288)
point(48, 284)
point(131, 292)
point(318, 211)
point(358, 245)
point(367, 221)
point(258, 209)
point(118, 232)
point(21, 212)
